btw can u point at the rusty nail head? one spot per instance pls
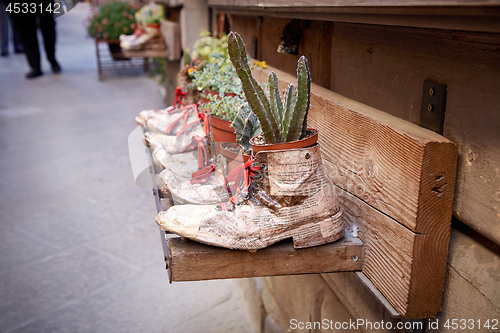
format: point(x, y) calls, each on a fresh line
point(431, 91)
point(429, 107)
point(308, 156)
point(355, 258)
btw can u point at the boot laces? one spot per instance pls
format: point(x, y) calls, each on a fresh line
point(205, 170)
point(241, 179)
point(185, 111)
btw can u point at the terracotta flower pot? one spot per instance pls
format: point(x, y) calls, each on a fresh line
point(153, 25)
point(234, 159)
point(310, 139)
point(207, 93)
point(222, 131)
point(116, 50)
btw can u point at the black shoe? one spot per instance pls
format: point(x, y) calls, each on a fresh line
point(34, 73)
point(18, 49)
point(5, 53)
point(55, 67)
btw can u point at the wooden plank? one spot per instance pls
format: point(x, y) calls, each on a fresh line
point(408, 268)
point(192, 261)
point(375, 292)
point(350, 3)
point(146, 54)
point(302, 298)
point(171, 33)
point(462, 300)
point(358, 300)
point(477, 260)
point(462, 18)
point(404, 58)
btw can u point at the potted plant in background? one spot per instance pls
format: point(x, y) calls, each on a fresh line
point(217, 77)
point(223, 110)
point(109, 21)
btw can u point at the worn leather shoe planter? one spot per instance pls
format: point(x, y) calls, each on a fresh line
point(277, 195)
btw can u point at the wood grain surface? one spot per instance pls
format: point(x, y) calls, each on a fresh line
point(192, 261)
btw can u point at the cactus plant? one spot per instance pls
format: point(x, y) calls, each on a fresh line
point(281, 120)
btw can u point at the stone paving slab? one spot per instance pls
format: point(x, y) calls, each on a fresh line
point(79, 248)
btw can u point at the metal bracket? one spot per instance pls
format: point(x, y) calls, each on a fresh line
point(433, 106)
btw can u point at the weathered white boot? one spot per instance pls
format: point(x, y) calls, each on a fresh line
point(285, 194)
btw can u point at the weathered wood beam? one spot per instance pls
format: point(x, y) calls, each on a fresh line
point(192, 261)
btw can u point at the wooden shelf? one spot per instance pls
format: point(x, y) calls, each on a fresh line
point(146, 54)
point(192, 261)
point(480, 16)
point(171, 34)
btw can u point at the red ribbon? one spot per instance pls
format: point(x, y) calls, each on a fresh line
point(241, 176)
point(179, 96)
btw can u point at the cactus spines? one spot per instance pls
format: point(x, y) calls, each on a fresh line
point(253, 91)
point(290, 100)
point(298, 123)
point(275, 100)
point(281, 120)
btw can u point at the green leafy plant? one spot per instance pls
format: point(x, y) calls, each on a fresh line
point(191, 67)
point(218, 75)
point(112, 19)
point(207, 45)
point(246, 125)
point(281, 120)
point(152, 14)
point(225, 107)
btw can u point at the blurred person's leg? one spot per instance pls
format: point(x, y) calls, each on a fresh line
point(48, 27)
point(25, 23)
point(4, 30)
point(18, 45)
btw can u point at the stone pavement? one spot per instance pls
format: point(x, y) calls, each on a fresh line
point(79, 248)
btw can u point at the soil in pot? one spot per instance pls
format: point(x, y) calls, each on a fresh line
point(232, 152)
point(258, 142)
point(222, 131)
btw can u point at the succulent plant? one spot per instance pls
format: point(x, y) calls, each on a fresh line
point(246, 125)
point(281, 120)
point(224, 107)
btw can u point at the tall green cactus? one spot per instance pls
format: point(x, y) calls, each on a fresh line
point(281, 120)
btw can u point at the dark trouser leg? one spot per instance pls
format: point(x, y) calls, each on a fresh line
point(26, 25)
point(48, 27)
point(18, 44)
point(4, 29)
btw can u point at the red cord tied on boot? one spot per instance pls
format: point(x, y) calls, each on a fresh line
point(178, 101)
point(205, 170)
point(203, 117)
point(241, 177)
point(185, 113)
